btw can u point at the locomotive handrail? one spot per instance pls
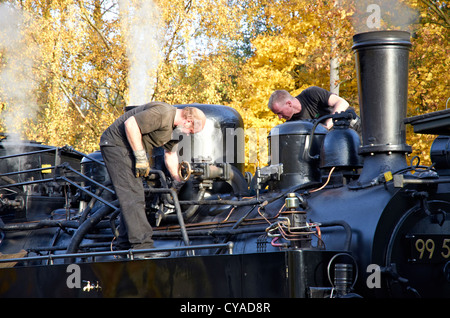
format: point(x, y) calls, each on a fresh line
point(130, 253)
point(72, 150)
point(88, 192)
point(64, 166)
point(28, 153)
point(26, 171)
point(68, 167)
point(26, 183)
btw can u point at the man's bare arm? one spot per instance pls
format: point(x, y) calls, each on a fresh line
point(133, 133)
point(171, 159)
point(338, 104)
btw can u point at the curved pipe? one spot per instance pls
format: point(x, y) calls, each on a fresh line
point(192, 209)
point(237, 181)
point(347, 228)
point(189, 213)
point(87, 225)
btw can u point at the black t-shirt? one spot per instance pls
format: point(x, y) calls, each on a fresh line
point(155, 120)
point(314, 101)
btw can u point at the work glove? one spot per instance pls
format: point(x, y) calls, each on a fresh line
point(177, 185)
point(142, 167)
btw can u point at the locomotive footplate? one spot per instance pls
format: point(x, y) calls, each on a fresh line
point(281, 274)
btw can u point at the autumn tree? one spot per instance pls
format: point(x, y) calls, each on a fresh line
point(71, 66)
point(303, 39)
point(92, 57)
point(429, 80)
point(78, 71)
point(293, 54)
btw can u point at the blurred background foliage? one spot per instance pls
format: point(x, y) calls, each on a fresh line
point(69, 67)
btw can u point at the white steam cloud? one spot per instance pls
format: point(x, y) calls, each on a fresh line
point(17, 83)
point(374, 15)
point(141, 26)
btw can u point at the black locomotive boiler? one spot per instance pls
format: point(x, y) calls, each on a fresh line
point(333, 215)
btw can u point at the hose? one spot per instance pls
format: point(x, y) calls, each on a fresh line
point(87, 225)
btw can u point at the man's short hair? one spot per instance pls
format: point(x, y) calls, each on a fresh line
point(279, 97)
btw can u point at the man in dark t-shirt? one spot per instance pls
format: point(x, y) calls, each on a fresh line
point(312, 103)
point(125, 145)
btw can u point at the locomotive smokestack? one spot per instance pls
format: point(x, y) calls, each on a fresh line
point(382, 73)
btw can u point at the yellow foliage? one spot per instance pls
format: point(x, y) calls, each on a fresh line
point(293, 58)
point(80, 65)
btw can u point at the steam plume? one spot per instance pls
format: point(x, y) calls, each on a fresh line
point(141, 21)
point(373, 15)
point(16, 74)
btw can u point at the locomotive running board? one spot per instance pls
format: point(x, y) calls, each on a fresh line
point(272, 275)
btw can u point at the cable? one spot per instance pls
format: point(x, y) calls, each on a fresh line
point(326, 183)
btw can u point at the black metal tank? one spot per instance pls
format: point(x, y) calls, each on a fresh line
point(222, 140)
point(341, 145)
point(289, 144)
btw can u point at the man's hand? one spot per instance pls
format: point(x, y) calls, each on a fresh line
point(142, 166)
point(177, 185)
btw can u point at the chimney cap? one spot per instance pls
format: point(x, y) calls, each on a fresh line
point(385, 37)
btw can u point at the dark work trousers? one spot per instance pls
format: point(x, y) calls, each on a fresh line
point(134, 227)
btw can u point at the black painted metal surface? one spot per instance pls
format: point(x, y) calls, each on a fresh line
point(258, 275)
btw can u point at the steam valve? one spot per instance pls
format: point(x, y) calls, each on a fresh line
point(204, 171)
point(184, 170)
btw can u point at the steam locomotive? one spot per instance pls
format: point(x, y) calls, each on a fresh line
point(332, 215)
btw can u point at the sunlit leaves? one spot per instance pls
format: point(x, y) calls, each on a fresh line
point(227, 52)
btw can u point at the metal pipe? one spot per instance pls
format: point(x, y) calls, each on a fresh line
point(26, 171)
point(72, 150)
point(130, 253)
point(400, 181)
point(347, 228)
point(39, 225)
point(28, 153)
point(177, 209)
point(26, 183)
point(87, 191)
point(216, 232)
point(68, 167)
point(63, 166)
point(161, 175)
